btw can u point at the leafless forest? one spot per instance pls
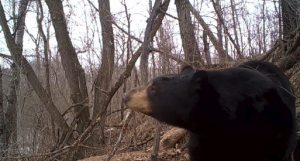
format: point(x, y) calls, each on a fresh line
point(66, 64)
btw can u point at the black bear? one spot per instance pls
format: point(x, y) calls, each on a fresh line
point(245, 113)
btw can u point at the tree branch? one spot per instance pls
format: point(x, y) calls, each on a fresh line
point(226, 29)
point(122, 77)
point(210, 34)
point(23, 64)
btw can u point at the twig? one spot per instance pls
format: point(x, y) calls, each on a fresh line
point(269, 52)
point(74, 105)
point(225, 28)
point(122, 109)
point(171, 57)
point(210, 34)
point(161, 10)
point(120, 81)
point(139, 144)
point(126, 121)
point(133, 37)
point(92, 4)
point(5, 56)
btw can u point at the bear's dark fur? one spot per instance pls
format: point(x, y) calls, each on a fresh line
point(245, 113)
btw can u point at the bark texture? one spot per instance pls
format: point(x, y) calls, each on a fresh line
point(3, 142)
point(290, 16)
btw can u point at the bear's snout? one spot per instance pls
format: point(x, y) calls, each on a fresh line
point(137, 100)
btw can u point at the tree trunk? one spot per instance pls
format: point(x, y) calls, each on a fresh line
point(164, 45)
point(12, 105)
point(290, 16)
point(148, 39)
point(145, 52)
point(234, 19)
point(3, 143)
point(22, 64)
point(222, 53)
point(220, 23)
point(264, 26)
point(187, 33)
point(104, 77)
point(40, 17)
point(206, 49)
point(74, 72)
point(20, 26)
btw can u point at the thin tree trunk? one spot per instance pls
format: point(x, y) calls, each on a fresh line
point(218, 10)
point(46, 62)
point(40, 17)
point(11, 113)
point(74, 72)
point(128, 55)
point(264, 26)
point(154, 154)
point(206, 49)
point(146, 45)
point(187, 33)
point(3, 140)
point(104, 77)
point(164, 45)
point(222, 53)
point(16, 52)
point(233, 14)
point(290, 16)
point(20, 26)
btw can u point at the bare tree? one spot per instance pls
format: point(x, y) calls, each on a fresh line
point(11, 113)
point(221, 25)
point(15, 48)
point(3, 142)
point(40, 17)
point(290, 16)
point(73, 70)
point(223, 55)
point(187, 33)
point(290, 30)
point(264, 26)
point(164, 45)
point(206, 49)
point(104, 77)
point(234, 19)
point(147, 43)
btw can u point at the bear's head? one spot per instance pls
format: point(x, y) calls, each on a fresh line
point(169, 98)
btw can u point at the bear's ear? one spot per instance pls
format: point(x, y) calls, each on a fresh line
point(186, 69)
